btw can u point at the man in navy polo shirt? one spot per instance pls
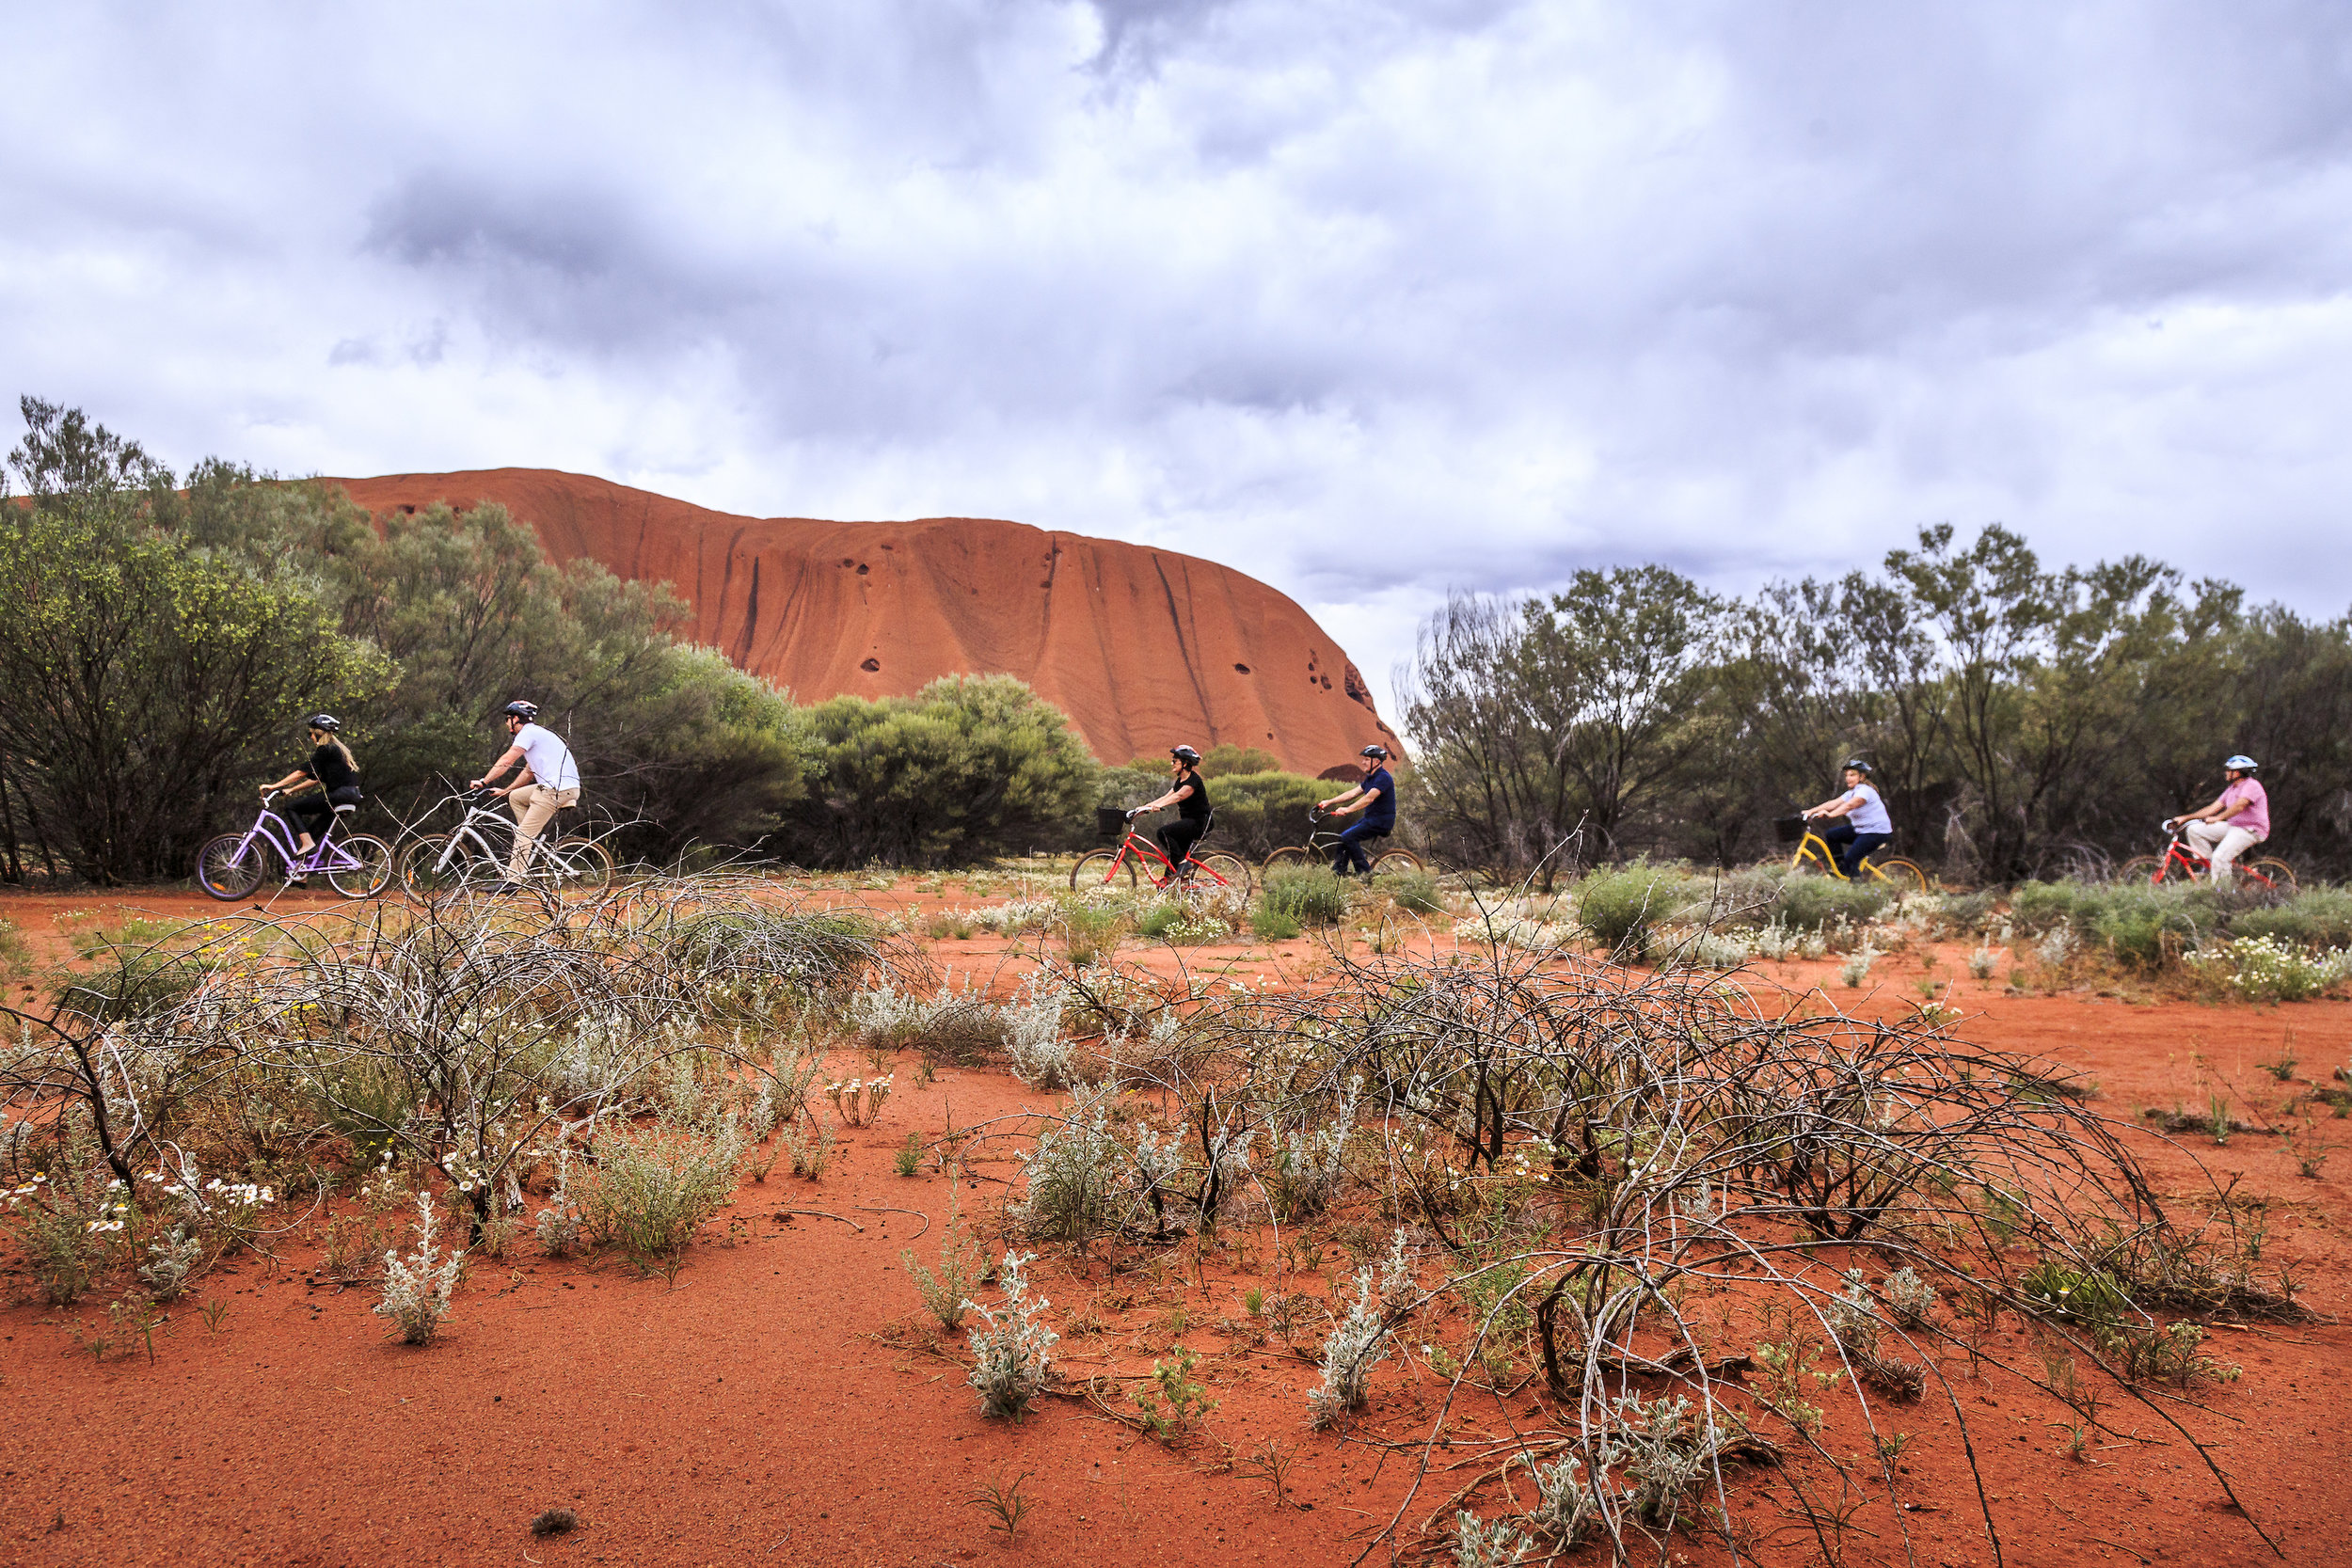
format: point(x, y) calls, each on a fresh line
point(1375, 797)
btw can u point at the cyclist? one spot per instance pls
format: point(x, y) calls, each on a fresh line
point(2234, 823)
point(1858, 823)
point(549, 782)
point(330, 778)
point(1188, 792)
point(1375, 797)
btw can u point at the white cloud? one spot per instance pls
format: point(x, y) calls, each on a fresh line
point(1370, 299)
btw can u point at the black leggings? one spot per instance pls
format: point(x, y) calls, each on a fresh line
point(1178, 837)
point(314, 811)
point(1849, 847)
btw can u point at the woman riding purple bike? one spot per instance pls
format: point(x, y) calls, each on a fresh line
point(328, 779)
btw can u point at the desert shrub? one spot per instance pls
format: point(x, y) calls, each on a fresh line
point(1041, 1057)
point(416, 1288)
point(971, 765)
point(16, 959)
point(1414, 891)
point(654, 1185)
point(1011, 1362)
point(1174, 921)
point(1306, 894)
point(1966, 913)
point(1076, 1171)
point(64, 1220)
point(2264, 969)
point(1497, 1544)
point(1623, 909)
point(137, 971)
point(1269, 924)
point(2144, 929)
point(1260, 812)
point(755, 956)
point(2319, 918)
point(2038, 906)
point(1810, 902)
point(172, 1260)
point(962, 1267)
point(1090, 935)
point(1358, 1343)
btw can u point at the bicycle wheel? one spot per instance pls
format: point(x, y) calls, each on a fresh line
point(2278, 873)
point(1232, 869)
point(1293, 854)
point(1904, 874)
point(1100, 868)
point(233, 865)
point(2142, 868)
point(367, 878)
point(437, 865)
point(1396, 860)
point(582, 865)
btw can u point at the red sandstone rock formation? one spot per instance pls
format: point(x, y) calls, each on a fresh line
point(1144, 648)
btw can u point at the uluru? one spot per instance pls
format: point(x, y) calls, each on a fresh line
point(1144, 648)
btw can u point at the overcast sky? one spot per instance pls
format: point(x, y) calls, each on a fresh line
point(1368, 299)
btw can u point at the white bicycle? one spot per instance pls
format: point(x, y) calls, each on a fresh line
point(468, 858)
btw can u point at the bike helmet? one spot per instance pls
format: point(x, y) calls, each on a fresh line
point(1376, 751)
point(2242, 764)
point(527, 712)
point(1184, 755)
point(326, 723)
point(1857, 765)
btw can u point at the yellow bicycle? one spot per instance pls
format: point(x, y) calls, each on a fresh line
point(1905, 876)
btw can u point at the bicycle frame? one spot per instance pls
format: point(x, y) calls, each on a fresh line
point(1814, 846)
point(300, 862)
point(1144, 849)
point(2194, 866)
point(470, 832)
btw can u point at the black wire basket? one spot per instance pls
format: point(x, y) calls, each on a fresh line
point(1109, 822)
point(1790, 829)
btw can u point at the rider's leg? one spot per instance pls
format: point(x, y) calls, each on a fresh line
point(1838, 834)
point(2233, 843)
point(2206, 838)
point(1351, 859)
point(1860, 847)
point(1176, 842)
point(532, 805)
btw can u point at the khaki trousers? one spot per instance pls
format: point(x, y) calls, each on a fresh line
point(532, 805)
point(2222, 845)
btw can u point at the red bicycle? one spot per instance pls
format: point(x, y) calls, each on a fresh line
point(1200, 873)
point(2181, 864)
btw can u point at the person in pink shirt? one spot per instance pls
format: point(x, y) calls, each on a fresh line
point(2232, 824)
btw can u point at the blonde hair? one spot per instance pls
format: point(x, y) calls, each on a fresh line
point(337, 741)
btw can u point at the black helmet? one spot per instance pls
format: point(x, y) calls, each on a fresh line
point(326, 723)
point(1184, 755)
point(1375, 750)
point(1857, 765)
point(527, 712)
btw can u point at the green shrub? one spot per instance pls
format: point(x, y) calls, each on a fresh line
point(654, 1185)
point(1809, 902)
point(1623, 909)
point(1414, 891)
point(1271, 924)
point(2316, 917)
point(1308, 895)
point(2038, 906)
point(2144, 929)
point(16, 959)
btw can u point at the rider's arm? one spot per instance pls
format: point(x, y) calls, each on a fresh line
point(291, 781)
point(513, 754)
point(2214, 812)
point(1339, 801)
point(1349, 807)
point(1842, 805)
point(1172, 798)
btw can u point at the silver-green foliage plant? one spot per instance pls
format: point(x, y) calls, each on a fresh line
point(171, 1258)
point(1358, 1343)
point(1077, 1171)
point(416, 1288)
point(1011, 1359)
point(1480, 1544)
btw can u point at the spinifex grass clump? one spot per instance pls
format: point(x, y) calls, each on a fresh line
point(654, 1185)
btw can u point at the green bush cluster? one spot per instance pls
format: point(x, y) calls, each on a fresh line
point(1303, 895)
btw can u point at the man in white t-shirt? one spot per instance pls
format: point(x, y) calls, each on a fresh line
point(1859, 825)
point(550, 782)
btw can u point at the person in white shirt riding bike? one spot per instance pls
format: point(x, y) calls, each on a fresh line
point(1859, 825)
point(549, 782)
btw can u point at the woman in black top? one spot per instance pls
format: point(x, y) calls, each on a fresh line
point(328, 779)
point(1188, 792)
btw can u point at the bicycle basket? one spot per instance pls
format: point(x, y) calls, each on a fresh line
point(1790, 829)
point(1109, 822)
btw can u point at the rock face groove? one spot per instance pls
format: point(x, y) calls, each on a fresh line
point(1144, 648)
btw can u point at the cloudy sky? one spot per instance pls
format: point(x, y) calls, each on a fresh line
point(1371, 298)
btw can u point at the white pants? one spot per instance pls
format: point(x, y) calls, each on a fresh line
point(2222, 845)
point(533, 804)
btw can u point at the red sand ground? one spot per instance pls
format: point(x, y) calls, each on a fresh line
point(1146, 647)
point(774, 1405)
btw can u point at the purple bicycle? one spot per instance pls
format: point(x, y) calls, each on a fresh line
point(234, 864)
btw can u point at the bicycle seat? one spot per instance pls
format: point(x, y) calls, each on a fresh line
point(339, 810)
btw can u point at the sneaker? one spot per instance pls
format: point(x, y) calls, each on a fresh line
point(297, 882)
